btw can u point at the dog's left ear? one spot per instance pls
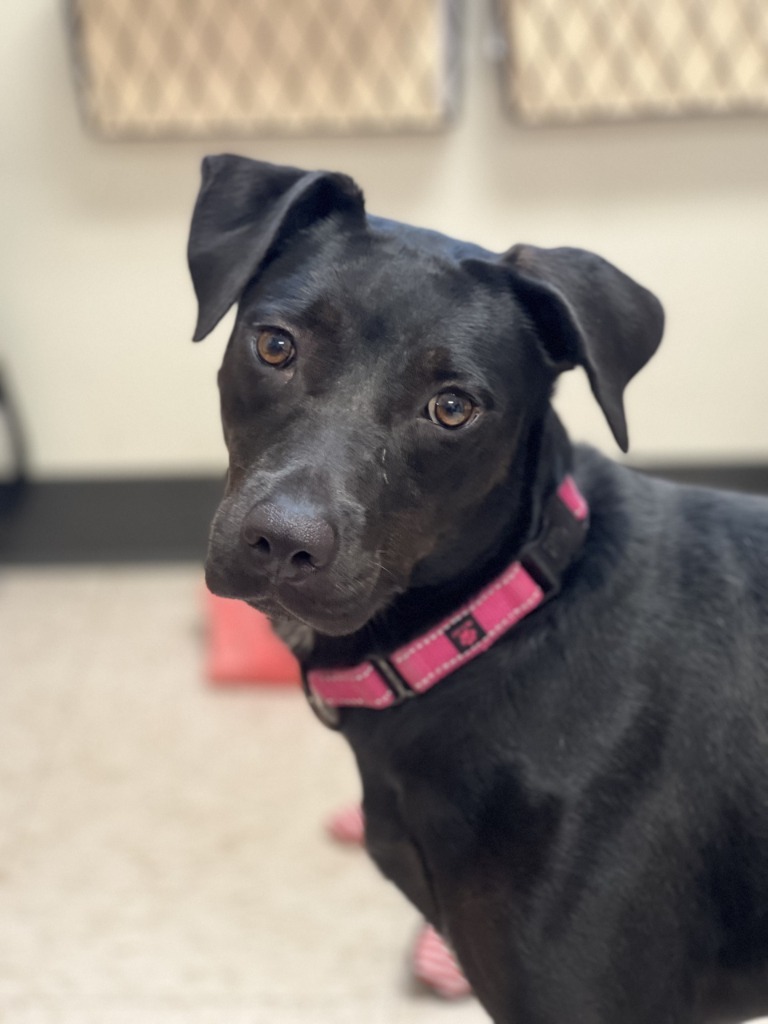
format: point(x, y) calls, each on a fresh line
point(245, 213)
point(588, 313)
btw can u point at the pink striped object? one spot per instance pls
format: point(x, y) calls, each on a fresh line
point(436, 966)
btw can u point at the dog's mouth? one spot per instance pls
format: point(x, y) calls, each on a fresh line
point(339, 621)
point(324, 602)
point(334, 618)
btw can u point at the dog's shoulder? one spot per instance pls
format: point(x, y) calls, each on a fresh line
point(672, 590)
point(681, 523)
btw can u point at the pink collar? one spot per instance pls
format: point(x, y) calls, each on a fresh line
point(418, 665)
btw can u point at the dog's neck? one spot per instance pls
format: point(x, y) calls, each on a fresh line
point(504, 526)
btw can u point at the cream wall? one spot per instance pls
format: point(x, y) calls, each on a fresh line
point(97, 309)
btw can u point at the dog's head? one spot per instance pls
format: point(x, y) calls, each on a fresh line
point(384, 387)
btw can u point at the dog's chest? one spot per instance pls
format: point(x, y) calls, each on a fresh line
point(453, 807)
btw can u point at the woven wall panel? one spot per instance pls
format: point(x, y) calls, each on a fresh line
point(581, 60)
point(155, 68)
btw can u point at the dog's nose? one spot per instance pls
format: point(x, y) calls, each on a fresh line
point(289, 540)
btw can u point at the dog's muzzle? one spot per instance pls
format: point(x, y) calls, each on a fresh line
point(290, 554)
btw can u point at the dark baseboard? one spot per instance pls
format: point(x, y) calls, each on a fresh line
point(167, 520)
point(124, 520)
point(749, 477)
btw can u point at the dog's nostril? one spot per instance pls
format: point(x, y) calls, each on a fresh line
point(302, 560)
point(262, 545)
point(256, 540)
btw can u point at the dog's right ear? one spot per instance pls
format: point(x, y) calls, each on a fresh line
point(588, 313)
point(245, 213)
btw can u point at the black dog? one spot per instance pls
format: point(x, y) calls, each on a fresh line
point(571, 785)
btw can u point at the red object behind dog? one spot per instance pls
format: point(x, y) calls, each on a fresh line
point(242, 648)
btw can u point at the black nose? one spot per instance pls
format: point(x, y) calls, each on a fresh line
point(288, 539)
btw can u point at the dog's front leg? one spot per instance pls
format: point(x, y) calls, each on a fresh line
point(394, 850)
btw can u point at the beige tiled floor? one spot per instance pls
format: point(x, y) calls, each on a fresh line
point(162, 857)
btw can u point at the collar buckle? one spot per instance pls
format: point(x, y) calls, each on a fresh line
point(330, 715)
point(548, 556)
point(401, 689)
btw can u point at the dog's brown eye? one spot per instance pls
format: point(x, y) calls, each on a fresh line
point(451, 409)
point(274, 348)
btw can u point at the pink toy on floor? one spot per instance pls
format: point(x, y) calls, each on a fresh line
point(435, 965)
point(347, 825)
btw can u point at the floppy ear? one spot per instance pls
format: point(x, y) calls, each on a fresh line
point(588, 313)
point(245, 212)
